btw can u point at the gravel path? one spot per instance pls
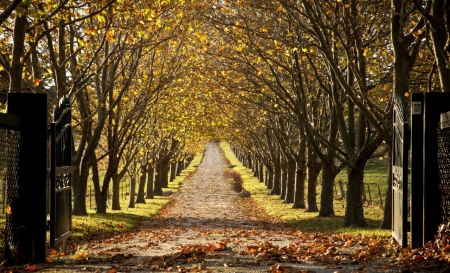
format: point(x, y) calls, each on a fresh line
point(208, 200)
point(206, 228)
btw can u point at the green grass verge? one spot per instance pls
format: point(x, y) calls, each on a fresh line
point(115, 221)
point(376, 172)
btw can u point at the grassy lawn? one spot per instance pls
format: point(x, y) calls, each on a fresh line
point(94, 225)
point(376, 174)
point(118, 220)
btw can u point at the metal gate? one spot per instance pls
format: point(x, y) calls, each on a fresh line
point(60, 224)
point(24, 153)
point(400, 145)
point(10, 129)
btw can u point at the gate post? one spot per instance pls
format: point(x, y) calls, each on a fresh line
point(26, 219)
point(416, 226)
point(425, 193)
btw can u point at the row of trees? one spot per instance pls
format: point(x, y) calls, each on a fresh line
point(298, 87)
point(319, 77)
point(128, 68)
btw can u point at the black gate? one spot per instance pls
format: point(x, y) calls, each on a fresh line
point(61, 173)
point(24, 153)
point(25, 165)
point(400, 145)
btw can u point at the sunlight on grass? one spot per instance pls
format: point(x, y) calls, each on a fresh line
point(120, 220)
point(309, 221)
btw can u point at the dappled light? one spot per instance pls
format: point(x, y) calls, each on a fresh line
point(251, 134)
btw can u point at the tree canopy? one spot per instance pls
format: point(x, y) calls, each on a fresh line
point(299, 87)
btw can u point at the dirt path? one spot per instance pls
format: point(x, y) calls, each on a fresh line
point(206, 228)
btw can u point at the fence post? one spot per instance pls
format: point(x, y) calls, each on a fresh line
point(90, 197)
point(381, 198)
point(370, 195)
point(26, 219)
point(341, 186)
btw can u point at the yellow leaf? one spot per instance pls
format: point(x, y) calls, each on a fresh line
point(101, 19)
point(37, 81)
point(8, 210)
point(109, 36)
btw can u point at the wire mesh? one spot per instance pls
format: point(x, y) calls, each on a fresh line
point(9, 160)
point(443, 141)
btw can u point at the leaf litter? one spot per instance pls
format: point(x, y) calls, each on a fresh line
point(207, 227)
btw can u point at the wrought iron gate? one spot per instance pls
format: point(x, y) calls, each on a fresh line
point(25, 156)
point(60, 224)
point(25, 160)
point(400, 145)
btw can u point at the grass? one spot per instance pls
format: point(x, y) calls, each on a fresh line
point(114, 221)
point(376, 174)
point(94, 225)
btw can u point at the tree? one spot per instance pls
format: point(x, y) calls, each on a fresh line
point(437, 15)
point(407, 32)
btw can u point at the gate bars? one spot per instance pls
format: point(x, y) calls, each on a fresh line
point(61, 173)
point(400, 147)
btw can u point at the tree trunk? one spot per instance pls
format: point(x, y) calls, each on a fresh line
point(189, 160)
point(290, 181)
point(79, 192)
point(157, 189)
point(20, 26)
point(269, 177)
point(299, 197)
point(261, 172)
point(79, 185)
point(283, 180)
point(165, 174)
point(101, 196)
point(140, 199)
point(276, 187)
point(440, 34)
point(387, 216)
point(179, 167)
point(150, 180)
point(326, 199)
point(354, 211)
point(313, 174)
point(255, 168)
point(132, 192)
point(173, 171)
point(115, 191)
